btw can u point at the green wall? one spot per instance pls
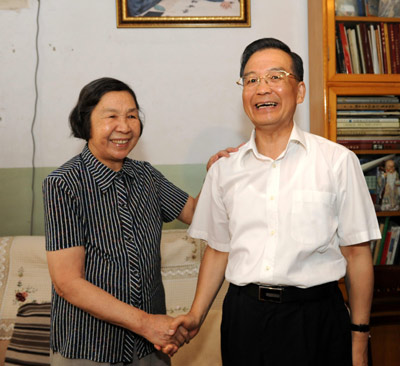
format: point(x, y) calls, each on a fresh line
point(16, 196)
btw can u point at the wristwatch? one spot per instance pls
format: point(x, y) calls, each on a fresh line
point(364, 328)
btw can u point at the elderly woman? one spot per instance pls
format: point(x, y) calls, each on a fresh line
point(103, 215)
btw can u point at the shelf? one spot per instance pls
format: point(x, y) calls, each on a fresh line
point(376, 152)
point(365, 78)
point(366, 19)
point(387, 213)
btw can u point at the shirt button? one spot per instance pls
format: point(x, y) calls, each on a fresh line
point(274, 165)
point(272, 198)
point(267, 268)
point(272, 232)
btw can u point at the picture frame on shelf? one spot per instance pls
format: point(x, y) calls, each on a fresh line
point(182, 13)
point(347, 7)
point(388, 185)
point(389, 8)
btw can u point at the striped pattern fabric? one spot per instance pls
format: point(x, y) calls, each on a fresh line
point(117, 217)
point(30, 342)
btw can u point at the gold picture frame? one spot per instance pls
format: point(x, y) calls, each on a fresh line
point(182, 13)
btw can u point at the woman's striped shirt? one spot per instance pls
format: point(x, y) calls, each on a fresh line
point(117, 217)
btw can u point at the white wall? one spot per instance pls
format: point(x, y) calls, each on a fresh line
point(184, 78)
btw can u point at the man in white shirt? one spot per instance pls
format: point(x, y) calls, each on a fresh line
point(285, 218)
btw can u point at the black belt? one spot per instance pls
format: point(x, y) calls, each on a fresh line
point(279, 294)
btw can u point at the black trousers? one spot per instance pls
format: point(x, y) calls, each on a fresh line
point(303, 333)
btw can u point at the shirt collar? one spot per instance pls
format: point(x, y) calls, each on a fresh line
point(102, 174)
point(296, 137)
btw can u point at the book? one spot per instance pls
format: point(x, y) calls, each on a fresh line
point(346, 50)
point(371, 8)
point(340, 65)
point(379, 241)
point(378, 254)
point(366, 48)
point(372, 38)
point(369, 106)
point(355, 60)
point(360, 48)
point(396, 254)
point(379, 48)
point(397, 45)
point(362, 112)
point(367, 122)
point(369, 145)
point(393, 139)
point(394, 241)
point(368, 131)
point(385, 249)
point(383, 48)
point(368, 99)
point(392, 48)
point(360, 8)
point(387, 46)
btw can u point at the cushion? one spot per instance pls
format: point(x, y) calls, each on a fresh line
point(30, 341)
point(26, 278)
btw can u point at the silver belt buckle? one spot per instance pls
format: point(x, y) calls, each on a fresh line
point(270, 293)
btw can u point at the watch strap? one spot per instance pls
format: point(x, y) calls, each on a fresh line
point(364, 328)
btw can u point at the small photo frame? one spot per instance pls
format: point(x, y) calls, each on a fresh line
point(388, 185)
point(182, 13)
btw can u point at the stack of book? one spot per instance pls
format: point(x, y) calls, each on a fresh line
point(368, 48)
point(387, 249)
point(368, 122)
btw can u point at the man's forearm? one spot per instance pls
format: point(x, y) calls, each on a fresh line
point(359, 284)
point(211, 277)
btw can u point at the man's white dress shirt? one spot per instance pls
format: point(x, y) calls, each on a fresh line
point(282, 221)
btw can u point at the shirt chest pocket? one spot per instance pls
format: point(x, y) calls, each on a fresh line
point(313, 218)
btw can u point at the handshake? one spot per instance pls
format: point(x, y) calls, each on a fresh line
point(168, 334)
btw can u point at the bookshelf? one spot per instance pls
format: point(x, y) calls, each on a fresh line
point(326, 85)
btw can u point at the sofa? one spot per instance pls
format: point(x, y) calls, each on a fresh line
point(25, 293)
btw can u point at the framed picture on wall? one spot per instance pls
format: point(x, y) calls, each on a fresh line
point(182, 13)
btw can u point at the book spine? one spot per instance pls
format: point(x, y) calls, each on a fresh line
point(379, 48)
point(371, 121)
point(387, 45)
point(395, 246)
point(375, 61)
point(366, 48)
point(368, 99)
point(397, 45)
point(382, 243)
point(362, 145)
point(360, 8)
point(383, 44)
point(346, 51)
point(355, 61)
point(392, 48)
point(360, 48)
point(367, 124)
point(385, 248)
point(368, 132)
point(373, 139)
point(379, 241)
point(340, 65)
point(368, 106)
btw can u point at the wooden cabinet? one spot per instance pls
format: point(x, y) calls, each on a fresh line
point(325, 86)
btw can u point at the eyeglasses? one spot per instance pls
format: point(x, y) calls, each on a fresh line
point(275, 77)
